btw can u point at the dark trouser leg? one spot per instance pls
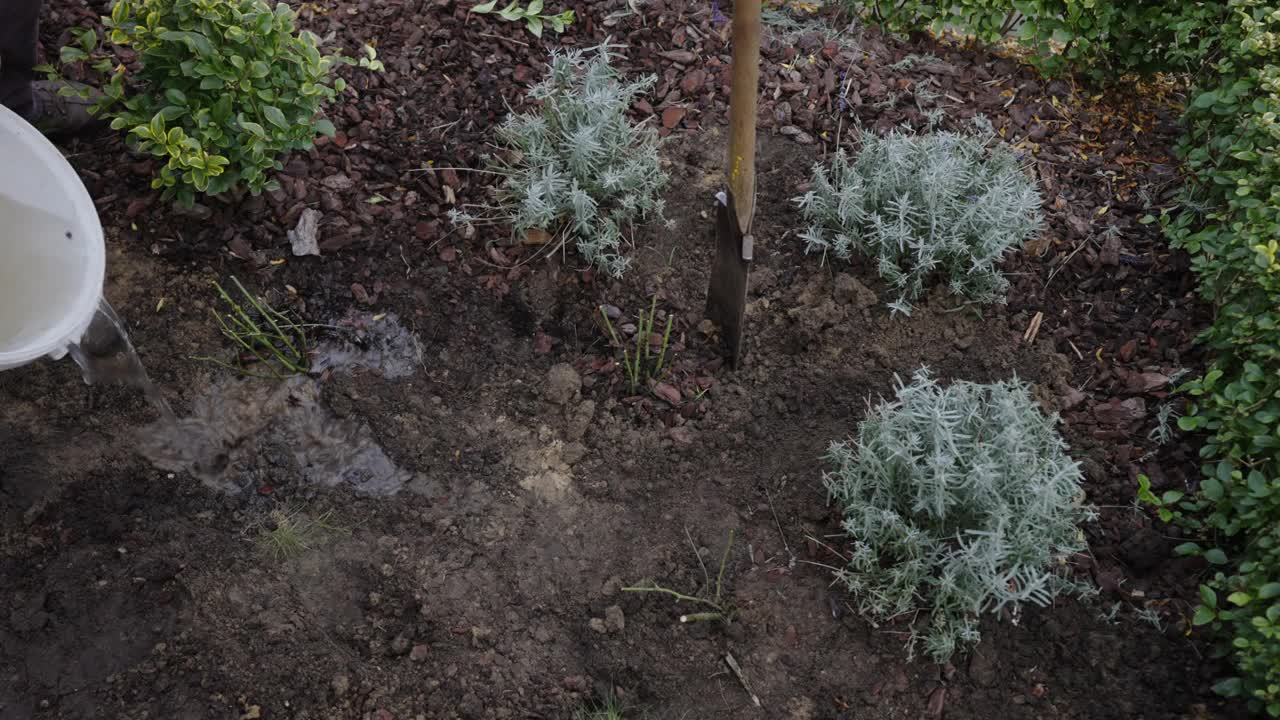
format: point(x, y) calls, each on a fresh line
point(19, 22)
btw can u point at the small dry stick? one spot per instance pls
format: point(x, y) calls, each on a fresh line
point(781, 534)
point(724, 559)
point(1076, 349)
point(742, 678)
point(1034, 328)
point(706, 577)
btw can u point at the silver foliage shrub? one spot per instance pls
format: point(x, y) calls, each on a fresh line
point(577, 165)
point(959, 501)
point(920, 206)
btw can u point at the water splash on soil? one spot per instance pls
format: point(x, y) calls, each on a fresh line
point(377, 342)
point(232, 423)
point(228, 427)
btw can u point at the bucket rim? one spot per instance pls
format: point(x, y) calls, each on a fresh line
point(83, 217)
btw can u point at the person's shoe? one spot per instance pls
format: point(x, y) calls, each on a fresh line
point(58, 114)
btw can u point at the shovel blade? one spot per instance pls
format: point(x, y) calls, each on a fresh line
point(727, 296)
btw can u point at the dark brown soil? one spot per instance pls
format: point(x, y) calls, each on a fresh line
point(491, 586)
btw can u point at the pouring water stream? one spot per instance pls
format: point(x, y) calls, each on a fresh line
point(105, 354)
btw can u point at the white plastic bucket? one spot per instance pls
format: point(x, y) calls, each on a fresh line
point(52, 255)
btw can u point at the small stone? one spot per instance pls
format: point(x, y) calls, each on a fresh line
point(562, 385)
point(303, 238)
point(581, 421)
point(597, 625)
point(360, 294)
point(614, 620)
point(419, 653)
point(612, 586)
point(400, 645)
point(481, 636)
point(341, 684)
point(572, 453)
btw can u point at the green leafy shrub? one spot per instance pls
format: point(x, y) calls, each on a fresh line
point(921, 206)
point(1230, 224)
point(959, 501)
point(532, 15)
point(578, 167)
point(1106, 38)
point(225, 88)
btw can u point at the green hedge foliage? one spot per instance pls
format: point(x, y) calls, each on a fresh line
point(1104, 38)
point(1231, 226)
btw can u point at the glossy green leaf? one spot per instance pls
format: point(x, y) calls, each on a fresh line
point(274, 116)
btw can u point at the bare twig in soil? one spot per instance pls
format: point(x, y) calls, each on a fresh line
point(829, 549)
point(724, 560)
point(722, 611)
point(742, 678)
point(1076, 349)
point(1033, 329)
point(1064, 263)
point(706, 578)
point(781, 534)
point(504, 39)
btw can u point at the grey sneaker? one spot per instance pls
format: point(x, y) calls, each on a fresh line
point(58, 114)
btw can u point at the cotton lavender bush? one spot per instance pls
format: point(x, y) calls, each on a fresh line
point(920, 206)
point(577, 167)
point(958, 501)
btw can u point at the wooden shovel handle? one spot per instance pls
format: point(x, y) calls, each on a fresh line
point(742, 109)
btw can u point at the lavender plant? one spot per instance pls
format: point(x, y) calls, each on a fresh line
point(921, 206)
point(959, 501)
point(578, 167)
